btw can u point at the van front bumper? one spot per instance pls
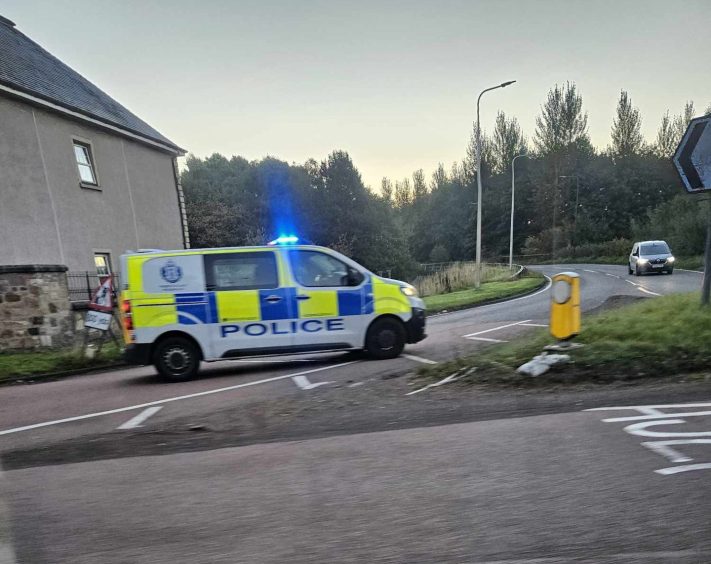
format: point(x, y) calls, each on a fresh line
point(137, 353)
point(415, 327)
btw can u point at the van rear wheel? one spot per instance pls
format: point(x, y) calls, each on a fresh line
point(385, 339)
point(177, 359)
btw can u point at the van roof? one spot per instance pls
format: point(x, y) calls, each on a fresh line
point(216, 249)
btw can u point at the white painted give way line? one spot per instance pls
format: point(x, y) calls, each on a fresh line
point(169, 400)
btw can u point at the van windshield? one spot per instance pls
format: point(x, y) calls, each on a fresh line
point(654, 249)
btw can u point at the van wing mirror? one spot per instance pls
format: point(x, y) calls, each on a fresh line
point(354, 277)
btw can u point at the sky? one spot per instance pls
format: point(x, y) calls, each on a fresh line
point(394, 83)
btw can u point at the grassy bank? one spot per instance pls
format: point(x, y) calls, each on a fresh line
point(488, 292)
point(13, 365)
point(653, 337)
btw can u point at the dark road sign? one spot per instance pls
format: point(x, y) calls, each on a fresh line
point(692, 158)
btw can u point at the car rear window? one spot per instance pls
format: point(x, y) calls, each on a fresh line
point(655, 249)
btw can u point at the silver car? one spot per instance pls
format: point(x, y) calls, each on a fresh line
point(650, 256)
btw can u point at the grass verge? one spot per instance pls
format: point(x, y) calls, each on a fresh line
point(489, 292)
point(651, 338)
point(14, 365)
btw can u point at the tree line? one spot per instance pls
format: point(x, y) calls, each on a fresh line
point(572, 199)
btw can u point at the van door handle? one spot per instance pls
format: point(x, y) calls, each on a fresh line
point(302, 297)
point(272, 299)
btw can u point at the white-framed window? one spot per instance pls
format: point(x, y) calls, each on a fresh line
point(102, 261)
point(85, 162)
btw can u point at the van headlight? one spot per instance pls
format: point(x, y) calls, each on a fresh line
point(670, 259)
point(409, 291)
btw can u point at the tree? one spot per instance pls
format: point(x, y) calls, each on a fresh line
point(562, 122)
point(627, 137)
point(386, 189)
point(507, 142)
point(419, 186)
point(403, 193)
point(671, 130)
point(665, 143)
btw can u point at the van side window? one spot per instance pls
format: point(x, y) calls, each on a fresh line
point(316, 269)
point(241, 271)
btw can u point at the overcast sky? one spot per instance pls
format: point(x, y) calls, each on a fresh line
point(394, 83)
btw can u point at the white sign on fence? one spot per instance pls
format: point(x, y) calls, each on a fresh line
point(98, 320)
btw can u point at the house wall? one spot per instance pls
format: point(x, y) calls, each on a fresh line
point(47, 217)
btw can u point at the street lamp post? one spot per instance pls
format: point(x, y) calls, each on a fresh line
point(477, 273)
point(513, 191)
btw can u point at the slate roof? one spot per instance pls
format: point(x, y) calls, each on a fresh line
point(27, 67)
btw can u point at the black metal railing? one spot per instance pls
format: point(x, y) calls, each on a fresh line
point(82, 285)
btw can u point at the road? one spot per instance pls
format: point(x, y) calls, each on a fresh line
point(119, 467)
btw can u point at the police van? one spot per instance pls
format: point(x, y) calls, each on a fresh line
point(182, 307)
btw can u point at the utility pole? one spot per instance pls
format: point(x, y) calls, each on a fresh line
point(706, 286)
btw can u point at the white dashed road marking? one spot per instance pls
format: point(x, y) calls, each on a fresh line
point(169, 400)
point(657, 416)
point(630, 282)
point(593, 271)
point(141, 417)
point(647, 291)
point(419, 359)
point(533, 325)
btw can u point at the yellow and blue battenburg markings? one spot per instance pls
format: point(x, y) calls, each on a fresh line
point(273, 305)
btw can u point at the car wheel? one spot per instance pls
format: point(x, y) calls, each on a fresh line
point(670, 271)
point(385, 338)
point(637, 272)
point(629, 268)
point(177, 359)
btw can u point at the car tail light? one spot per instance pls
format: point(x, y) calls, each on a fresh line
point(127, 316)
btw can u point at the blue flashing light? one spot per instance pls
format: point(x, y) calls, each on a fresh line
point(285, 240)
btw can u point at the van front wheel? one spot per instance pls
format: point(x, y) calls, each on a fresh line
point(385, 339)
point(177, 359)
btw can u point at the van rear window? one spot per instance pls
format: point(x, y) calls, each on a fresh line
point(241, 271)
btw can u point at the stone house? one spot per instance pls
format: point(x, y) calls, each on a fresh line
point(82, 179)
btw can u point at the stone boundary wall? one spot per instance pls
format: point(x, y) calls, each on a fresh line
point(34, 307)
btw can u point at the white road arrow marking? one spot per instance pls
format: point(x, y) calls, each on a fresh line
point(304, 383)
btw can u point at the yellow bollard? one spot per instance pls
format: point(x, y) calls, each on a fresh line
point(565, 306)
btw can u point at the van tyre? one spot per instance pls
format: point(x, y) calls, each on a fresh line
point(177, 359)
point(385, 339)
